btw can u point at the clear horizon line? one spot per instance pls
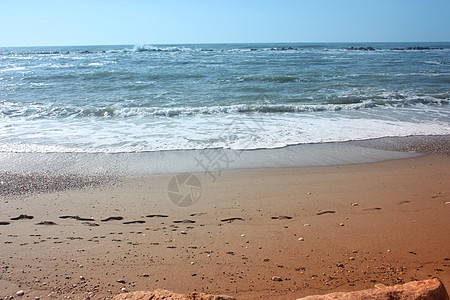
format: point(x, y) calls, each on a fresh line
point(225, 43)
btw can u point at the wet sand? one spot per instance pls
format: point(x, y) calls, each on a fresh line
point(319, 229)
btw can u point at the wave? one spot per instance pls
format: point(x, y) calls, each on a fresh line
point(150, 48)
point(132, 110)
point(265, 108)
point(248, 48)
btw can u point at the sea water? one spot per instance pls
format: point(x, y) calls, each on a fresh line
point(122, 99)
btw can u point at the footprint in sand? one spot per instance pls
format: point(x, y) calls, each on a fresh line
point(232, 219)
point(46, 223)
point(374, 208)
point(186, 221)
point(22, 217)
point(77, 218)
point(134, 222)
point(198, 214)
point(281, 218)
point(112, 219)
point(326, 212)
point(90, 224)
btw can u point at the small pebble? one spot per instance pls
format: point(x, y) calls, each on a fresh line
point(306, 224)
point(355, 204)
point(183, 232)
point(242, 235)
point(124, 290)
point(351, 258)
point(277, 278)
point(20, 293)
point(341, 224)
point(301, 239)
point(81, 278)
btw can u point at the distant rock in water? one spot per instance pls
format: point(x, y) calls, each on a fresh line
point(423, 48)
point(393, 49)
point(362, 49)
point(415, 48)
point(286, 49)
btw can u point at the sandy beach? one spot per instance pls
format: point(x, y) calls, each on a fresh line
point(319, 229)
point(219, 150)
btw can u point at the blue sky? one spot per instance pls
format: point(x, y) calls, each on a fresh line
point(111, 22)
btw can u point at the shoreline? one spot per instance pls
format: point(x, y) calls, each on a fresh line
point(29, 173)
point(182, 161)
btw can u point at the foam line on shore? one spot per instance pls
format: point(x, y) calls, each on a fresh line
point(193, 161)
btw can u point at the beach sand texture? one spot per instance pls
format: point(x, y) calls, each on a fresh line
point(271, 233)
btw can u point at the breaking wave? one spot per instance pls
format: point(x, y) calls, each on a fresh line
point(120, 111)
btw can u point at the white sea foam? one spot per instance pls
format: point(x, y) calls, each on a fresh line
point(433, 62)
point(151, 48)
point(233, 131)
point(13, 69)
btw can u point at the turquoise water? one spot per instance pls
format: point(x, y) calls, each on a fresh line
point(244, 96)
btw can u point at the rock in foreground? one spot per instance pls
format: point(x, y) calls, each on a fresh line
point(166, 295)
point(431, 289)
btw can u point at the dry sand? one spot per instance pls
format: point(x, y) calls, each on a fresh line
point(321, 229)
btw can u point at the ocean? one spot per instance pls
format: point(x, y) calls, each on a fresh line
point(127, 99)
